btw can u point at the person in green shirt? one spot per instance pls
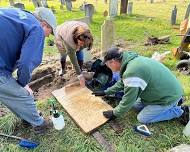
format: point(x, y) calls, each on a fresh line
point(148, 85)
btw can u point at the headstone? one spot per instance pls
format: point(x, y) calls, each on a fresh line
point(107, 35)
point(105, 13)
point(37, 3)
point(68, 5)
point(113, 8)
point(174, 15)
point(89, 11)
point(123, 6)
point(44, 3)
point(130, 8)
point(19, 5)
point(187, 12)
point(180, 148)
point(62, 2)
point(11, 2)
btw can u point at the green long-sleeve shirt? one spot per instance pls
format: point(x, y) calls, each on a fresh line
point(144, 78)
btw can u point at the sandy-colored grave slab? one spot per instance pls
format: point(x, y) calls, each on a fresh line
point(84, 108)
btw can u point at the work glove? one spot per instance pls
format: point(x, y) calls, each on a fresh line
point(109, 114)
point(99, 93)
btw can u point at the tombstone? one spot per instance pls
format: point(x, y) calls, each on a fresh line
point(107, 35)
point(173, 16)
point(19, 5)
point(180, 148)
point(62, 2)
point(68, 5)
point(130, 8)
point(113, 7)
point(89, 11)
point(37, 3)
point(44, 3)
point(11, 2)
point(187, 12)
point(123, 6)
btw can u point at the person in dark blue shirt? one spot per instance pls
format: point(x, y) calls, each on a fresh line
point(22, 37)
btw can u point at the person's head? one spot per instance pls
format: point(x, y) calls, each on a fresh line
point(47, 20)
point(113, 58)
point(83, 38)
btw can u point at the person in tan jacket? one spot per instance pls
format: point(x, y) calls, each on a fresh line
point(71, 38)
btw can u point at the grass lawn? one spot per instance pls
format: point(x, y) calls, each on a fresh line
point(152, 18)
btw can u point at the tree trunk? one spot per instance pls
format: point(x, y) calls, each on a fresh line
point(123, 8)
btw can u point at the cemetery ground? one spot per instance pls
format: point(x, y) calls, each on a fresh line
point(131, 33)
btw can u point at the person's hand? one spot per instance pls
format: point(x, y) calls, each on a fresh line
point(81, 80)
point(109, 114)
point(29, 89)
point(99, 93)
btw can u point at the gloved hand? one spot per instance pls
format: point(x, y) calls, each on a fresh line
point(109, 114)
point(99, 93)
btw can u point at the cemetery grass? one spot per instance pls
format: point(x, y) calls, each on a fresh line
point(147, 18)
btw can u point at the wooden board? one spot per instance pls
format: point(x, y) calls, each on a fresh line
point(85, 109)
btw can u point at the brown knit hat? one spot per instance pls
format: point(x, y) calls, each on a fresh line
point(84, 35)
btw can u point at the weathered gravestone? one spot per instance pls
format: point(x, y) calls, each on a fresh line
point(62, 2)
point(37, 3)
point(180, 148)
point(68, 5)
point(174, 15)
point(19, 5)
point(123, 6)
point(107, 35)
point(113, 8)
point(130, 8)
point(89, 11)
point(187, 12)
point(44, 3)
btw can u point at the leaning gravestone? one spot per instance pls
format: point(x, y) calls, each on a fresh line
point(62, 2)
point(113, 8)
point(89, 11)
point(19, 5)
point(180, 148)
point(130, 8)
point(68, 5)
point(107, 35)
point(187, 12)
point(174, 15)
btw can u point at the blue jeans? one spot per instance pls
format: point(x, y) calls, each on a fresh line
point(19, 101)
point(156, 113)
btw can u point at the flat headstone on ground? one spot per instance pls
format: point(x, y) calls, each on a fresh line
point(83, 107)
point(173, 16)
point(130, 8)
point(113, 8)
point(68, 5)
point(107, 35)
point(89, 11)
point(180, 148)
point(187, 12)
point(19, 5)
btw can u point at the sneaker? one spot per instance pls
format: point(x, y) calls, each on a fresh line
point(42, 129)
point(184, 118)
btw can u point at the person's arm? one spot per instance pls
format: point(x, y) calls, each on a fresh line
point(30, 56)
point(118, 86)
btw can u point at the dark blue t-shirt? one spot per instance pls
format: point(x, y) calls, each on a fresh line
point(21, 43)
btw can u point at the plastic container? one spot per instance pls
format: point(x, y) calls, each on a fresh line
point(58, 120)
point(186, 130)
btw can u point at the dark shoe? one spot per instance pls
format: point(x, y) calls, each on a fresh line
point(180, 102)
point(25, 124)
point(43, 128)
point(184, 118)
